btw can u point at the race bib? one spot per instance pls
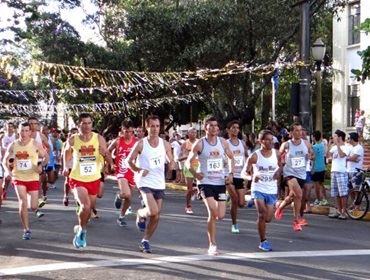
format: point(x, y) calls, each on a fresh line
point(214, 164)
point(239, 161)
point(155, 162)
point(24, 164)
point(298, 162)
point(87, 168)
point(123, 163)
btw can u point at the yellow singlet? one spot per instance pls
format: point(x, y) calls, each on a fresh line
point(25, 162)
point(86, 164)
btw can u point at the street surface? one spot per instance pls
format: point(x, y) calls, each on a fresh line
point(325, 249)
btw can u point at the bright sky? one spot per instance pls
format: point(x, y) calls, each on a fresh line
point(73, 16)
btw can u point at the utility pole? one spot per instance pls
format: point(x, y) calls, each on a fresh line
point(304, 72)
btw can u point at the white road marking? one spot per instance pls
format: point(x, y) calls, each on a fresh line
point(176, 259)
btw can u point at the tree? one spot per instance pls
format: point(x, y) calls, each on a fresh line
point(364, 73)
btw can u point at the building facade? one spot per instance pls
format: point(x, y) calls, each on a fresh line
point(349, 95)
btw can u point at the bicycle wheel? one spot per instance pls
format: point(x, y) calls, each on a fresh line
point(357, 204)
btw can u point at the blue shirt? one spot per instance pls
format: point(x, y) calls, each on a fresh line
point(319, 161)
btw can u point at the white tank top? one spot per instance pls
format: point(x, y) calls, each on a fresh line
point(38, 138)
point(212, 159)
point(265, 169)
point(5, 142)
point(296, 160)
point(153, 160)
point(239, 157)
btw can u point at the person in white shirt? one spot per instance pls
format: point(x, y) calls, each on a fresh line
point(146, 160)
point(355, 157)
point(339, 177)
point(360, 124)
point(176, 147)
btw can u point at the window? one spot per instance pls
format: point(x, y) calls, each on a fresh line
point(353, 103)
point(353, 23)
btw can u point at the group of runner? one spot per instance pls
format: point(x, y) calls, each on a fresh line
point(215, 165)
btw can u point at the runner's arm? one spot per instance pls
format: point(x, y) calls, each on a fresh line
point(42, 154)
point(9, 153)
point(247, 171)
point(103, 150)
point(131, 158)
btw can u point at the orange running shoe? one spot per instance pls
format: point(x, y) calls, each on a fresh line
point(302, 221)
point(296, 226)
point(278, 214)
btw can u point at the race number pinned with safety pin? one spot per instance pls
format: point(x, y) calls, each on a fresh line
point(239, 161)
point(298, 162)
point(24, 164)
point(155, 162)
point(87, 168)
point(214, 164)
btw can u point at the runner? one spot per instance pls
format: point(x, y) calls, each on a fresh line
point(296, 153)
point(211, 151)
point(125, 177)
point(189, 178)
point(236, 188)
point(25, 173)
point(84, 178)
point(41, 139)
point(68, 165)
point(263, 165)
point(6, 139)
point(146, 160)
point(49, 170)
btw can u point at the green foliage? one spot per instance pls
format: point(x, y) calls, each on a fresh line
point(364, 73)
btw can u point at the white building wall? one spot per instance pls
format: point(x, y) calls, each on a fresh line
point(345, 58)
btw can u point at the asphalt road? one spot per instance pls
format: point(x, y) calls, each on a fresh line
point(325, 249)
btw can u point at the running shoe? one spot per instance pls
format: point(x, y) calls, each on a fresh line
point(189, 211)
point(42, 202)
point(265, 246)
point(235, 229)
point(140, 223)
point(129, 211)
point(39, 213)
point(302, 221)
point(250, 203)
point(324, 202)
point(118, 201)
point(79, 241)
point(52, 186)
point(26, 235)
point(145, 247)
point(316, 202)
point(121, 221)
point(212, 250)
point(94, 214)
point(65, 201)
point(296, 226)
point(342, 216)
point(334, 215)
point(278, 214)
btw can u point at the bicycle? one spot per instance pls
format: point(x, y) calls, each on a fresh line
point(358, 199)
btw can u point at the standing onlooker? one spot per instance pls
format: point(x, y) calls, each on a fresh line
point(318, 169)
point(355, 157)
point(176, 143)
point(360, 125)
point(339, 178)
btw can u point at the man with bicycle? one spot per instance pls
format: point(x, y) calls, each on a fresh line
point(355, 157)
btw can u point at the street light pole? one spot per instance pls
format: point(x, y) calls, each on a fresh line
point(304, 72)
point(318, 52)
